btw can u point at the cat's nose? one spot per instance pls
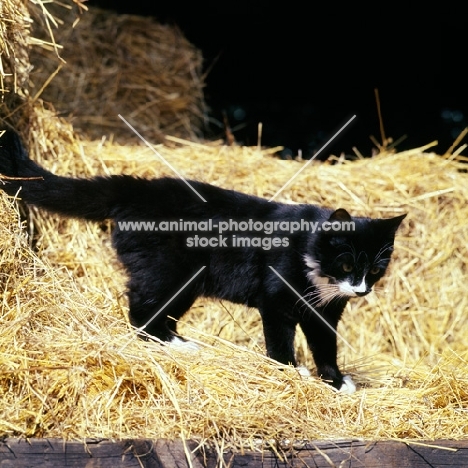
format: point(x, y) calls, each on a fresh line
point(360, 294)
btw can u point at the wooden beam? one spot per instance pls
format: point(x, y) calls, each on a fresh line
point(57, 453)
point(359, 454)
point(144, 453)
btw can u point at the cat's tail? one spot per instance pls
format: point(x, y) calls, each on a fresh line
point(82, 198)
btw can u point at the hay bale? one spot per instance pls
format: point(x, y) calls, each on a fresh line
point(114, 64)
point(14, 36)
point(158, 87)
point(410, 360)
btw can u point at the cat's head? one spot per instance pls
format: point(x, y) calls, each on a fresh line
point(351, 256)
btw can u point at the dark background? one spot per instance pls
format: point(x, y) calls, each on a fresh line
point(303, 75)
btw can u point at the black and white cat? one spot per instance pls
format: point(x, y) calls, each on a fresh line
point(292, 276)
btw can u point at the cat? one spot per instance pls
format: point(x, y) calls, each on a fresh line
point(254, 254)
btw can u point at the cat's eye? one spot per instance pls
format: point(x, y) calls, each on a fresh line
point(374, 270)
point(347, 267)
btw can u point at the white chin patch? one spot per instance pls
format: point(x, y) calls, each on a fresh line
point(182, 345)
point(346, 289)
point(349, 290)
point(348, 385)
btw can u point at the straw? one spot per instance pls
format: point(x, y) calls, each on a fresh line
point(92, 377)
point(72, 367)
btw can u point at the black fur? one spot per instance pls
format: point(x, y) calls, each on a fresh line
point(159, 263)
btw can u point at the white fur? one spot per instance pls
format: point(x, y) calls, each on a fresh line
point(350, 290)
point(303, 371)
point(314, 275)
point(181, 345)
point(311, 263)
point(314, 268)
point(348, 385)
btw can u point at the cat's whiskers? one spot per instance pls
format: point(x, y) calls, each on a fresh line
point(323, 294)
point(328, 296)
point(316, 300)
point(311, 297)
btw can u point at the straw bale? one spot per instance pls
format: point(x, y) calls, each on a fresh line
point(114, 64)
point(72, 367)
point(14, 37)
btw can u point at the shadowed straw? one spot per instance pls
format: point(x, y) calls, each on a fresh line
point(121, 64)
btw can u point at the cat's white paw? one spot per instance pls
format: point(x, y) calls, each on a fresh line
point(348, 385)
point(303, 371)
point(183, 345)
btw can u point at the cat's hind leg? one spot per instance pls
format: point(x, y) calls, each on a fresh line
point(156, 305)
point(279, 331)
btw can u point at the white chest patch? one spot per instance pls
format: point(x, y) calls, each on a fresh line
point(316, 279)
point(314, 273)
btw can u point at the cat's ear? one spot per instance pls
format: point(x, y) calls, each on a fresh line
point(336, 237)
point(392, 224)
point(340, 215)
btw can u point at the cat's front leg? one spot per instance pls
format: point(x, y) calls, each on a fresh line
point(279, 336)
point(322, 341)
